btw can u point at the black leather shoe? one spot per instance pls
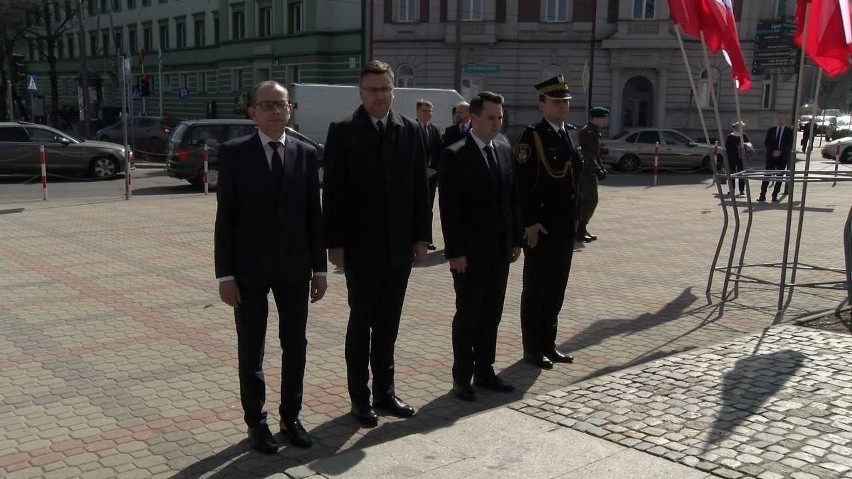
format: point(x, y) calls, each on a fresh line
point(557, 356)
point(261, 439)
point(539, 360)
point(590, 236)
point(463, 391)
point(394, 405)
point(494, 383)
point(431, 247)
point(296, 433)
point(365, 415)
point(761, 198)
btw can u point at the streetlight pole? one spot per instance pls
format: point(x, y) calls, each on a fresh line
point(592, 55)
point(84, 68)
point(457, 73)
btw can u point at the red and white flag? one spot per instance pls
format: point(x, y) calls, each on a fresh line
point(720, 33)
point(686, 14)
point(829, 39)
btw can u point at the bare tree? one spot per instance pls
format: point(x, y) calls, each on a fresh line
point(11, 32)
point(48, 21)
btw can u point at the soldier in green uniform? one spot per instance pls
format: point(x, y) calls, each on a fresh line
point(549, 168)
point(590, 142)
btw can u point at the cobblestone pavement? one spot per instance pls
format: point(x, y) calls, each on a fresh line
point(118, 360)
point(769, 405)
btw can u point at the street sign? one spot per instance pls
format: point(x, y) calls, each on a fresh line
point(774, 50)
point(137, 92)
point(183, 93)
point(31, 84)
point(480, 68)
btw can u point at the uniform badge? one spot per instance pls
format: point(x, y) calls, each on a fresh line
point(523, 153)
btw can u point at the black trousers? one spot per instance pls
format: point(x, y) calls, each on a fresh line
point(588, 197)
point(546, 269)
point(774, 164)
point(735, 165)
point(480, 292)
point(291, 301)
point(376, 294)
point(433, 187)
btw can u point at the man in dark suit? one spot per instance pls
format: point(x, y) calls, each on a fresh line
point(458, 131)
point(481, 221)
point(376, 204)
point(269, 236)
point(779, 143)
point(549, 170)
point(432, 142)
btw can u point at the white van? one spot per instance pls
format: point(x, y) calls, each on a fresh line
point(315, 106)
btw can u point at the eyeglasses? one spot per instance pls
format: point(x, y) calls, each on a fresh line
point(272, 105)
point(383, 91)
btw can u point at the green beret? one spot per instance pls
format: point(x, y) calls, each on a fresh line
point(598, 112)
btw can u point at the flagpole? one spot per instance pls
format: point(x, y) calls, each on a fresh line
point(160, 77)
point(691, 82)
point(712, 89)
point(792, 168)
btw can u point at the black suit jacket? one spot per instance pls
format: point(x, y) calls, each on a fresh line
point(453, 134)
point(786, 145)
point(258, 240)
point(375, 194)
point(433, 143)
point(478, 222)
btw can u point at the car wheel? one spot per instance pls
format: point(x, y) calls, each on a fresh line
point(628, 163)
point(104, 167)
point(846, 156)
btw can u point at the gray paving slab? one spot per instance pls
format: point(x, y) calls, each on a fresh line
point(631, 464)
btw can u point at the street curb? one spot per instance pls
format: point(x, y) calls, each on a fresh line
point(814, 316)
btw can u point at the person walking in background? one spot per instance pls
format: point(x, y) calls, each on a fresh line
point(482, 231)
point(454, 133)
point(779, 144)
point(806, 135)
point(432, 142)
point(736, 145)
point(376, 204)
point(593, 169)
point(269, 236)
point(549, 169)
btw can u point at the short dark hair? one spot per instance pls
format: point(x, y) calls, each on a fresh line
point(376, 67)
point(265, 84)
point(423, 102)
point(478, 103)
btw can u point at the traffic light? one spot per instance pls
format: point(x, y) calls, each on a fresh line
point(145, 85)
point(19, 68)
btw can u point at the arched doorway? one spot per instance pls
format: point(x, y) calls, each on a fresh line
point(637, 103)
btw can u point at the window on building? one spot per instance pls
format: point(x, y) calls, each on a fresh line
point(262, 74)
point(264, 21)
point(116, 5)
point(93, 44)
point(131, 4)
point(405, 76)
point(180, 33)
point(472, 10)
point(104, 6)
point(200, 32)
point(56, 12)
point(293, 74)
point(238, 25)
point(237, 79)
point(204, 81)
point(147, 37)
point(60, 49)
point(90, 8)
point(146, 3)
point(556, 11)
point(105, 41)
point(294, 14)
point(766, 98)
point(407, 10)
point(32, 51)
point(70, 43)
point(704, 96)
point(183, 80)
point(167, 82)
point(118, 41)
point(132, 41)
point(68, 10)
point(643, 9)
point(164, 35)
point(163, 1)
point(216, 31)
point(41, 51)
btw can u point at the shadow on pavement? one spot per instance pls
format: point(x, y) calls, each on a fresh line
point(177, 189)
point(665, 178)
point(748, 386)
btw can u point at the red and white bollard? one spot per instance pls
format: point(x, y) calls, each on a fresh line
point(128, 178)
point(206, 170)
point(43, 172)
point(656, 161)
point(836, 163)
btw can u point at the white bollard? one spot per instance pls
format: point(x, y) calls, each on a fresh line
point(206, 170)
point(41, 160)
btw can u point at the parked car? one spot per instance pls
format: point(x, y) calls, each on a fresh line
point(147, 135)
point(185, 151)
point(839, 129)
point(629, 151)
point(64, 154)
point(829, 149)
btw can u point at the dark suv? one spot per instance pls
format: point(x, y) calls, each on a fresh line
point(147, 135)
point(185, 151)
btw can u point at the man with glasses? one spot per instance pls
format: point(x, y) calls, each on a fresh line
point(549, 169)
point(376, 204)
point(269, 236)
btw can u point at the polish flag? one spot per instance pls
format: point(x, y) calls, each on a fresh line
point(685, 13)
point(720, 33)
point(829, 41)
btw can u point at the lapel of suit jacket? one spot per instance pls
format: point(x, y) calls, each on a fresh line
point(290, 157)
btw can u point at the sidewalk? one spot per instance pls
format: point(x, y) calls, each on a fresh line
point(118, 359)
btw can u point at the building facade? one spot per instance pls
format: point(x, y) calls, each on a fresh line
point(510, 45)
point(211, 51)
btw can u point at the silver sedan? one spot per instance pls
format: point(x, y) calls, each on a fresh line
point(632, 150)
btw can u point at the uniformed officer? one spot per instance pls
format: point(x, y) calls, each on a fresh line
point(549, 168)
point(590, 142)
